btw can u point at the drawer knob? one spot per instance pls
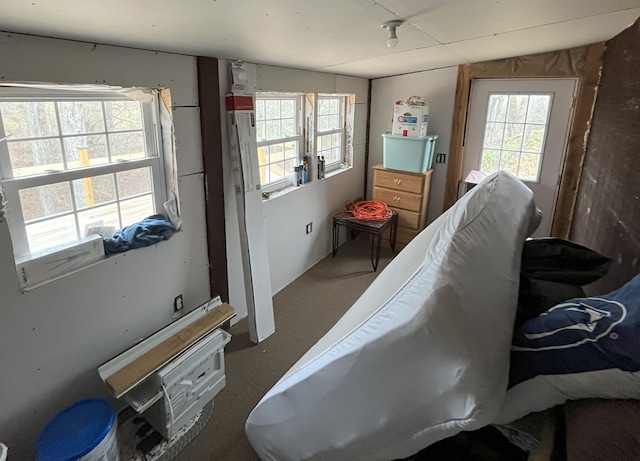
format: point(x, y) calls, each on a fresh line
point(396, 199)
point(397, 181)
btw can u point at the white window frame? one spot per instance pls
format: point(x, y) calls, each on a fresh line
point(12, 186)
point(299, 137)
point(329, 166)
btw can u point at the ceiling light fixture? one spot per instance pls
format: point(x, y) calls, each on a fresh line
point(392, 25)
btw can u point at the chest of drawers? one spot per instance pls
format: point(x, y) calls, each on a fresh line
point(407, 194)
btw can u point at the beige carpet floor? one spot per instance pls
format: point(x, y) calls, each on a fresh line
point(304, 311)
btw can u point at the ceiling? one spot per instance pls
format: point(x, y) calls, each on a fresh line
point(337, 36)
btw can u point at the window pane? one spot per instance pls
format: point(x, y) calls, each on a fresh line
point(136, 209)
point(529, 166)
point(272, 107)
point(533, 138)
point(277, 172)
point(42, 201)
point(335, 155)
point(289, 167)
point(336, 140)
point(320, 144)
point(493, 135)
point(273, 129)
point(89, 192)
point(264, 175)
point(288, 128)
point(134, 182)
point(497, 110)
point(538, 108)
point(513, 133)
point(509, 162)
point(517, 108)
point(77, 117)
point(85, 150)
point(323, 107)
point(127, 146)
point(103, 216)
point(35, 157)
point(51, 233)
point(490, 160)
point(263, 155)
point(287, 108)
point(276, 153)
point(323, 123)
point(123, 115)
point(29, 119)
point(330, 146)
point(334, 122)
point(291, 150)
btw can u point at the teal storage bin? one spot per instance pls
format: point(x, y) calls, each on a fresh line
point(404, 153)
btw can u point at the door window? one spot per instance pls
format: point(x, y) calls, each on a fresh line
point(515, 132)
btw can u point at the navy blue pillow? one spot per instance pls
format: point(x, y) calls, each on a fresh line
point(581, 348)
point(579, 335)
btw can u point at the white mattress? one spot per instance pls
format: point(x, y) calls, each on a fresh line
point(422, 354)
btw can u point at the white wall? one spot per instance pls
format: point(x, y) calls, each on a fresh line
point(290, 250)
point(438, 88)
point(52, 339)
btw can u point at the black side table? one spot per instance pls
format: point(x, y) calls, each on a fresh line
point(375, 228)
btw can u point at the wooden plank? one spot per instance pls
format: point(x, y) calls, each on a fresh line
point(211, 133)
point(577, 144)
point(130, 375)
point(459, 124)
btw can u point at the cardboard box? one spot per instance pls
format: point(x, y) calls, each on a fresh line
point(60, 260)
point(410, 120)
point(241, 128)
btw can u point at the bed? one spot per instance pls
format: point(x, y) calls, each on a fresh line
point(424, 354)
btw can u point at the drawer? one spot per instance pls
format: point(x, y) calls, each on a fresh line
point(399, 181)
point(397, 199)
point(407, 218)
point(403, 237)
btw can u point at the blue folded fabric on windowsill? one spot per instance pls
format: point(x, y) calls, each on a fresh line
point(147, 232)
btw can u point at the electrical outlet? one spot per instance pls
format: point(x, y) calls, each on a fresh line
point(441, 158)
point(177, 303)
point(309, 228)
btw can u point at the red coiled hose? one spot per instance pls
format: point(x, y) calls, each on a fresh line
point(365, 210)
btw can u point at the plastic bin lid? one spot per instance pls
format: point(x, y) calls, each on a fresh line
point(388, 134)
point(75, 431)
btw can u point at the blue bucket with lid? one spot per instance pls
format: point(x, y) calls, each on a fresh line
point(85, 431)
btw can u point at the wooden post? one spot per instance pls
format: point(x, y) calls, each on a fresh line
point(87, 184)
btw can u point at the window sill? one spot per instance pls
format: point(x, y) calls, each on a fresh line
point(104, 258)
point(287, 190)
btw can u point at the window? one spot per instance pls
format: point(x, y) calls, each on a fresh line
point(72, 160)
point(330, 139)
point(279, 137)
point(291, 126)
point(515, 134)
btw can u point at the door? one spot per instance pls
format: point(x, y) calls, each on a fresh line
point(521, 126)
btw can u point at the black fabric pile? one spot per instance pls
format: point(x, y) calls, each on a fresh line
point(554, 270)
